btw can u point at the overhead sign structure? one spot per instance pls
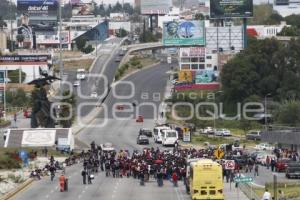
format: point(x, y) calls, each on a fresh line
point(155, 7)
point(219, 153)
point(229, 164)
point(182, 33)
point(245, 179)
point(220, 9)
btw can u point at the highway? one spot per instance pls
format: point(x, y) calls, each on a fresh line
point(122, 133)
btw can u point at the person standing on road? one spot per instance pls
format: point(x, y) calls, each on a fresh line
point(256, 169)
point(83, 174)
point(62, 180)
point(266, 195)
point(175, 179)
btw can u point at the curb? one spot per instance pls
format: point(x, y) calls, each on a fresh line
point(11, 194)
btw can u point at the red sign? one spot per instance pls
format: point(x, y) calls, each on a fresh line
point(229, 164)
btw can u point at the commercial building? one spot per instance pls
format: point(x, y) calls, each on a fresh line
point(265, 31)
point(29, 64)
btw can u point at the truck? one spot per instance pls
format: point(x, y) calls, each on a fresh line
point(253, 135)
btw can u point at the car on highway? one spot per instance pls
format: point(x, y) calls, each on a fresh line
point(253, 135)
point(94, 95)
point(140, 119)
point(120, 107)
point(208, 130)
point(107, 147)
point(142, 139)
point(145, 131)
point(118, 59)
point(222, 132)
point(264, 146)
point(76, 83)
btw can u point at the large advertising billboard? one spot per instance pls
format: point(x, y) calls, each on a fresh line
point(155, 7)
point(191, 52)
point(184, 33)
point(42, 12)
point(231, 8)
point(83, 9)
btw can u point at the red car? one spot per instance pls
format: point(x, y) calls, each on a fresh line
point(281, 165)
point(140, 118)
point(120, 107)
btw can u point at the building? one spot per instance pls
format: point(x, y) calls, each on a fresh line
point(174, 14)
point(29, 64)
point(115, 26)
point(287, 7)
point(265, 31)
point(283, 137)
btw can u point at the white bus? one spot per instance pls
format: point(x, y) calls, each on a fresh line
point(157, 133)
point(80, 75)
point(169, 137)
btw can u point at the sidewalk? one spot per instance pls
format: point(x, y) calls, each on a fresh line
point(233, 193)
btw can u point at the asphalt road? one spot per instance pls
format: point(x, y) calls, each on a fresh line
point(122, 133)
point(99, 78)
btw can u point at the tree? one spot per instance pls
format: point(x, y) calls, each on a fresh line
point(13, 76)
point(17, 98)
point(117, 7)
point(67, 112)
point(7, 10)
point(128, 8)
point(266, 66)
point(293, 20)
point(122, 33)
point(199, 16)
point(101, 10)
point(108, 10)
point(80, 43)
point(290, 31)
point(274, 19)
point(288, 113)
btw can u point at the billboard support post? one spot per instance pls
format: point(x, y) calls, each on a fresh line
point(245, 32)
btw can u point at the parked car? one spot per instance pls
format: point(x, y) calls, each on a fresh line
point(208, 130)
point(118, 59)
point(293, 172)
point(264, 146)
point(282, 164)
point(253, 135)
point(222, 132)
point(146, 131)
point(142, 139)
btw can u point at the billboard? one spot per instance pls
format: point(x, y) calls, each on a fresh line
point(83, 9)
point(205, 76)
point(155, 7)
point(41, 12)
point(188, 52)
point(231, 8)
point(184, 33)
point(185, 76)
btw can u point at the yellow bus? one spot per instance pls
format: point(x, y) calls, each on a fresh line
point(206, 180)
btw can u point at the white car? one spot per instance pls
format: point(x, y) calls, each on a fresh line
point(223, 132)
point(262, 158)
point(94, 95)
point(264, 146)
point(208, 130)
point(76, 83)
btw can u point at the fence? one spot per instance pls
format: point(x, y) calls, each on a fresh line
point(248, 191)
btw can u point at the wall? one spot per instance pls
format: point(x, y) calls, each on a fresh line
point(3, 41)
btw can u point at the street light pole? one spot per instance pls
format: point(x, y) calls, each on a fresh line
point(60, 49)
point(214, 113)
point(266, 112)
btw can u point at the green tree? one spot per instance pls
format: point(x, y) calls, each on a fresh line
point(17, 98)
point(67, 111)
point(7, 10)
point(122, 33)
point(293, 20)
point(108, 10)
point(128, 8)
point(117, 7)
point(101, 10)
point(13, 76)
point(199, 16)
point(80, 43)
point(288, 113)
point(274, 19)
point(290, 31)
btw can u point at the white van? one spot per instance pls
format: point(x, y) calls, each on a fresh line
point(169, 137)
point(80, 75)
point(157, 133)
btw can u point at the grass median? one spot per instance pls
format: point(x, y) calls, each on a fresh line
point(290, 190)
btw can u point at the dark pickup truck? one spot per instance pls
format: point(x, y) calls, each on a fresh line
point(253, 135)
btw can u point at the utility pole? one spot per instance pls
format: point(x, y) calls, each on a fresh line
point(11, 28)
point(266, 111)
point(60, 50)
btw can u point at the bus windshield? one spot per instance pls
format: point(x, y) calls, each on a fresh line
point(171, 134)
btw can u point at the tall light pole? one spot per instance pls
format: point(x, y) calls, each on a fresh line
point(266, 112)
point(214, 113)
point(60, 49)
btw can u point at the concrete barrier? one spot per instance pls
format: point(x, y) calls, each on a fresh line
point(21, 187)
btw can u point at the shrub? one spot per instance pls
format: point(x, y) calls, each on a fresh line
point(9, 163)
